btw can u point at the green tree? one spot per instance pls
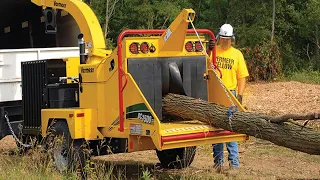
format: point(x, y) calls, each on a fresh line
point(295, 33)
point(145, 14)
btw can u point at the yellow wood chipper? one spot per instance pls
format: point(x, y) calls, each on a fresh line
point(112, 99)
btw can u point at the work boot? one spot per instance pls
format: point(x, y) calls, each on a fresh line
point(218, 168)
point(232, 171)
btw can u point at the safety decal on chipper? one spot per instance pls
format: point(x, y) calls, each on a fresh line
point(141, 112)
point(59, 4)
point(87, 70)
point(183, 129)
point(136, 129)
point(168, 34)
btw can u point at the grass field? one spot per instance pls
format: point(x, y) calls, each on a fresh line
point(259, 160)
point(304, 76)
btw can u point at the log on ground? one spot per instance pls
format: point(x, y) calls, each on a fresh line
point(287, 134)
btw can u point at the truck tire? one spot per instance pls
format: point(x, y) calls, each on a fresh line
point(176, 158)
point(69, 155)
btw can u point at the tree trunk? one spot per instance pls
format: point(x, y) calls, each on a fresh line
point(106, 27)
point(198, 12)
point(110, 5)
point(285, 134)
point(244, 14)
point(273, 19)
point(317, 59)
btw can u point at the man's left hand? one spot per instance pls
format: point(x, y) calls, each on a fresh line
point(239, 97)
point(211, 44)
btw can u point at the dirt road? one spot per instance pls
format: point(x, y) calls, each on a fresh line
point(258, 159)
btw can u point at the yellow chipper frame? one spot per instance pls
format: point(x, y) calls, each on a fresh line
point(116, 96)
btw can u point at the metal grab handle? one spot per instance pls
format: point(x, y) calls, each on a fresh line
point(219, 72)
point(126, 76)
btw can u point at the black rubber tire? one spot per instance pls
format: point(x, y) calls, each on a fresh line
point(69, 155)
point(176, 158)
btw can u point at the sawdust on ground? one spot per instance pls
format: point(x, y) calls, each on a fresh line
point(278, 98)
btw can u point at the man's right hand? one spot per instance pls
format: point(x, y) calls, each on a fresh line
point(211, 44)
point(239, 97)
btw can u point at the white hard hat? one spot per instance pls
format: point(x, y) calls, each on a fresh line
point(226, 30)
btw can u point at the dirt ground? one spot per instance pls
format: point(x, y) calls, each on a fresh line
point(282, 97)
point(258, 159)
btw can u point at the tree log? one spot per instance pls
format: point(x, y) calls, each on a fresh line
point(258, 125)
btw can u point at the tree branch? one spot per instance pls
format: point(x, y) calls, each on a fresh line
point(286, 117)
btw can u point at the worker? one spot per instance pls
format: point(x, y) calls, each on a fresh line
point(234, 73)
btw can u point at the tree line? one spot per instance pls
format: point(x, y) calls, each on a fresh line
point(276, 37)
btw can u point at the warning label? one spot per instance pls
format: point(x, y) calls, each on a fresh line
point(136, 129)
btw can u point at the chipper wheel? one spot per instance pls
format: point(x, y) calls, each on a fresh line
point(176, 158)
point(68, 154)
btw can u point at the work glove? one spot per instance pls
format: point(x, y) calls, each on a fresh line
point(211, 44)
point(239, 97)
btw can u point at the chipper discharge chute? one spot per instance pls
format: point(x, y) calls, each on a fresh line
point(113, 99)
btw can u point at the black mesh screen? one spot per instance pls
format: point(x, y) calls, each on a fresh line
point(159, 76)
point(36, 75)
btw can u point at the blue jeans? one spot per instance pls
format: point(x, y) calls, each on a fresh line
point(232, 148)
